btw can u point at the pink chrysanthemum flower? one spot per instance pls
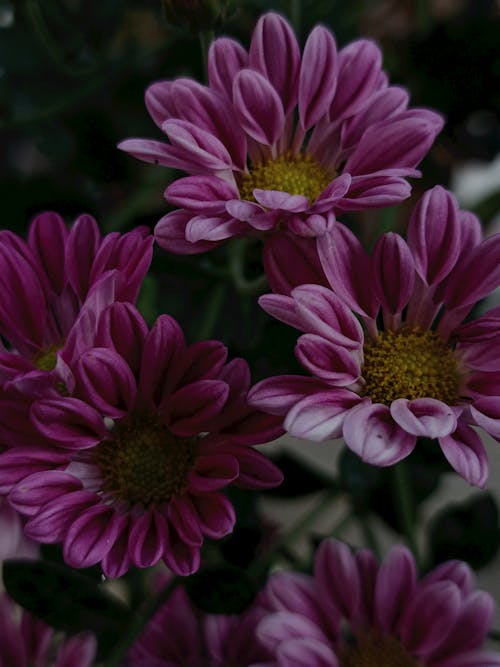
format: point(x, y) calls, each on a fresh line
point(198, 639)
point(281, 140)
point(355, 612)
point(28, 642)
point(413, 369)
point(53, 287)
point(132, 466)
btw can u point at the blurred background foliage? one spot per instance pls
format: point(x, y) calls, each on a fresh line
point(72, 81)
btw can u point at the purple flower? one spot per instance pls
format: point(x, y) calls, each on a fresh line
point(28, 642)
point(129, 469)
point(413, 369)
point(53, 288)
point(280, 139)
point(355, 611)
point(199, 639)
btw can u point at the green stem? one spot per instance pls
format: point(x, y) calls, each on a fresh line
point(212, 310)
point(406, 507)
point(261, 565)
point(139, 623)
point(206, 38)
point(237, 270)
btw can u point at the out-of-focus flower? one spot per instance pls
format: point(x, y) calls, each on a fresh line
point(413, 369)
point(281, 140)
point(13, 541)
point(28, 642)
point(355, 611)
point(129, 469)
point(53, 288)
point(199, 639)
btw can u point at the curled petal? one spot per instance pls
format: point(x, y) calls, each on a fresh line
point(396, 583)
point(328, 361)
point(393, 272)
point(321, 415)
point(226, 58)
point(203, 194)
point(466, 454)
point(69, 422)
point(278, 394)
point(424, 417)
point(371, 433)
point(337, 575)
point(170, 234)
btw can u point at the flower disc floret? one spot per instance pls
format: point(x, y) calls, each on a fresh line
point(144, 462)
point(298, 175)
point(410, 363)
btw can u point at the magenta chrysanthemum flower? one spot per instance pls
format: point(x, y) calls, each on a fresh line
point(354, 612)
point(198, 639)
point(54, 286)
point(280, 139)
point(413, 369)
point(28, 642)
point(133, 463)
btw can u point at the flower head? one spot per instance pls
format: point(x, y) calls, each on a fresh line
point(129, 469)
point(28, 642)
point(413, 369)
point(281, 140)
point(355, 612)
point(200, 639)
point(54, 286)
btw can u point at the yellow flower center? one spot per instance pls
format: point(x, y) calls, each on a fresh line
point(144, 462)
point(411, 363)
point(295, 174)
point(47, 359)
point(374, 651)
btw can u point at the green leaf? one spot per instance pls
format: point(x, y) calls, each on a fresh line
point(66, 600)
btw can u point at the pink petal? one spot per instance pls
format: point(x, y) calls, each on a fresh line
point(226, 58)
point(306, 652)
point(202, 229)
point(337, 576)
point(170, 234)
point(147, 538)
point(370, 431)
point(320, 416)
point(81, 246)
point(91, 536)
point(197, 145)
point(429, 618)
point(424, 417)
point(434, 233)
point(283, 201)
point(395, 586)
point(105, 380)
point(466, 454)
point(148, 150)
point(51, 523)
point(318, 76)
point(69, 422)
point(348, 269)
point(278, 394)
point(183, 519)
point(486, 413)
point(77, 651)
point(159, 101)
point(258, 107)
point(282, 308)
point(203, 194)
point(328, 361)
point(122, 328)
point(283, 626)
point(195, 404)
point(47, 238)
point(216, 515)
point(473, 623)
point(256, 471)
point(358, 70)
point(290, 261)
point(274, 52)
point(38, 489)
point(322, 312)
point(393, 272)
point(212, 473)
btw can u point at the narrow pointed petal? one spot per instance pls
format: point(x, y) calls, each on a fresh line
point(274, 52)
point(434, 234)
point(226, 58)
point(318, 76)
point(258, 107)
point(393, 272)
